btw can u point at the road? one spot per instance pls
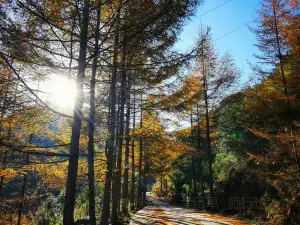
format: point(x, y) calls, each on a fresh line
point(160, 213)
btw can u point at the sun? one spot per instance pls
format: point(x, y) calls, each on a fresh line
point(60, 91)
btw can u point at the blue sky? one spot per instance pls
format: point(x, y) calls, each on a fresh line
point(223, 20)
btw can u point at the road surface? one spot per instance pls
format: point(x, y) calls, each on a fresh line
point(160, 213)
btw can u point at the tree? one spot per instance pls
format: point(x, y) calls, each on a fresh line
point(273, 44)
point(218, 76)
point(74, 148)
point(91, 149)
point(111, 129)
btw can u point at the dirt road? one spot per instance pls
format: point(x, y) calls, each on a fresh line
point(165, 214)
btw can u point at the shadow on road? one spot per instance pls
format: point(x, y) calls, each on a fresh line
point(163, 213)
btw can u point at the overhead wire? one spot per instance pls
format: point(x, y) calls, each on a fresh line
point(233, 31)
point(215, 8)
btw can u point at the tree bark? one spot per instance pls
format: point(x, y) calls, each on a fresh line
point(23, 190)
point(68, 217)
point(111, 130)
point(140, 200)
point(208, 141)
point(199, 150)
point(91, 123)
point(117, 189)
point(132, 195)
point(127, 149)
point(115, 154)
point(145, 171)
point(193, 161)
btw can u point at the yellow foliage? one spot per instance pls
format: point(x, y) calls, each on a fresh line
point(9, 174)
point(53, 175)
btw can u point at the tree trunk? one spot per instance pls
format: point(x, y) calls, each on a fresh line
point(117, 189)
point(193, 161)
point(23, 190)
point(91, 123)
point(194, 179)
point(208, 141)
point(68, 217)
point(127, 149)
point(201, 153)
point(145, 175)
point(3, 168)
point(115, 154)
point(140, 201)
point(132, 195)
point(111, 130)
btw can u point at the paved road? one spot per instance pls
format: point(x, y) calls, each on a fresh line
point(160, 213)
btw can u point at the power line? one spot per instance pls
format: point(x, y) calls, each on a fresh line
point(233, 31)
point(215, 8)
point(230, 31)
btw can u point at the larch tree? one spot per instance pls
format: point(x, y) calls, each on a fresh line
point(218, 75)
point(91, 148)
point(77, 120)
point(273, 43)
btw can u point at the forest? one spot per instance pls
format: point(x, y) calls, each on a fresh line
point(101, 115)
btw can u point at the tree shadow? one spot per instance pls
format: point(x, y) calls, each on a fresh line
point(172, 215)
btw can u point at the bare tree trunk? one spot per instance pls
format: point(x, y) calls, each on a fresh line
point(68, 217)
point(117, 189)
point(23, 190)
point(127, 149)
point(115, 154)
point(208, 141)
point(111, 130)
point(140, 200)
point(132, 195)
point(193, 161)
point(91, 122)
point(201, 155)
point(146, 165)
